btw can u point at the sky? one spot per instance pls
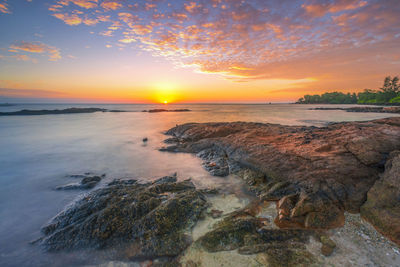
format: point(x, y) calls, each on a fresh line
point(155, 51)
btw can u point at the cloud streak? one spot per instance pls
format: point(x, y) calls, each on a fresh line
point(4, 7)
point(52, 52)
point(244, 40)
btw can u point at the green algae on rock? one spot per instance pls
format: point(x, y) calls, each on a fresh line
point(244, 231)
point(149, 219)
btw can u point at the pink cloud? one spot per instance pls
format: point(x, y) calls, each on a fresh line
point(4, 7)
point(111, 5)
point(247, 39)
point(36, 47)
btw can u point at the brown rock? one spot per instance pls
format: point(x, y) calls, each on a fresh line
point(328, 246)
point(315, 173)
point(382, 207)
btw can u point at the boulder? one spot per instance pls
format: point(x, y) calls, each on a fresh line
point(148, 220)
point(315, 173)
point(382, 208)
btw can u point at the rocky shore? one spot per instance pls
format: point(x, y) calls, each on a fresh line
point(314, 188)
point(56, 111)
point(364, 109)
point(314, 174)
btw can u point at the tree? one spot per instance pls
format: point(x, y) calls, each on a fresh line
point(389, 93)
point(391, 85)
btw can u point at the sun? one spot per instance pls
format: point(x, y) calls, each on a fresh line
point(164, 93)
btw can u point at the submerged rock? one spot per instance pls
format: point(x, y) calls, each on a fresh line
point(88, 181)
point(315, 173)
point(147, 220)
point(382, 207)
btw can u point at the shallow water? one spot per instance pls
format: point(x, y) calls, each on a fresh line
point(38, 152)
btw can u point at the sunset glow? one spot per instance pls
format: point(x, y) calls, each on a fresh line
point(195, 51)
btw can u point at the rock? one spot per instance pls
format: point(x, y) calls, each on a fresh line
point(210, 191)
point(245, 231)
point(382, 208)
point(167, 179)
point(145, 220)
point(328, 245)
point(145, 140)
point(214, 162)
point(289, 257)
point(315, 173)
point(216, 213)
point(229, 234)
point(88, 181)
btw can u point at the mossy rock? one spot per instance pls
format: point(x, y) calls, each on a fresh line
point(149, 220)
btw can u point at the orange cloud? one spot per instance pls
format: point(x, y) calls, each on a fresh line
point(249, 39)
point(111, 5)
point(70, 19)
point(321, 9)
point(81, 3)
point(191, 7)
point(4, 7)
point(37, 47)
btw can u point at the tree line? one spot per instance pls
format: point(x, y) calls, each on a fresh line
point(388, 94)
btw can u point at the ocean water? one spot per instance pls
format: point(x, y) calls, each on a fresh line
point(37, 153)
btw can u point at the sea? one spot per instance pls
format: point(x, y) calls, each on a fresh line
point(38, 153)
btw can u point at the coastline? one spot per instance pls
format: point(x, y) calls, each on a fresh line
point(296, 219)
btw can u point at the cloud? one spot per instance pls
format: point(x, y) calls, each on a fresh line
point(70, 19)
point(321, 8)
point(24, 58)
point(81, 3)
point(8, 92)
point(37, 47)
point(4, 7)
point(247, 40)
point(111, 5)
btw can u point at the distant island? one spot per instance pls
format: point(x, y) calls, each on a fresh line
point(364, 109)
point(388, 94)
point(56, 111)
point(6, 105)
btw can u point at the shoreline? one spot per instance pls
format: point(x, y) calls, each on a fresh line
point(309, 185)
point(298, 199)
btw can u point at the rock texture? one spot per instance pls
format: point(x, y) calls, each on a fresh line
point(249, 234)
point(382, 208)
point(315, 174)
point(148, 220)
